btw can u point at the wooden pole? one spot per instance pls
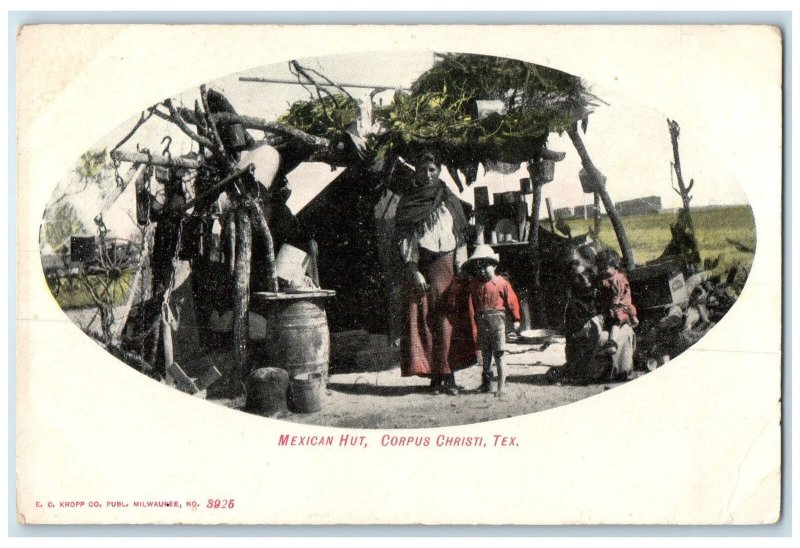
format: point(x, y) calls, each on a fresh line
point(178, 120)
point(155, 159)
point(608, 204)
point(321, 84)
point(251, 122)
point(596, 214)
point(229, 229)
point(261, 228)
point(550, 215)
point(533, 239)
point(166, 341)
point(535, 207)
point(201, 124)
point(196, 117)
point(242, 284)
point(682, 190)
point(219, 148)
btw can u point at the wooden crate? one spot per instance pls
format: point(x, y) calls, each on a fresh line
point(658, 285)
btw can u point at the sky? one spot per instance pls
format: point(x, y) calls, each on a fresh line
point(628, 141)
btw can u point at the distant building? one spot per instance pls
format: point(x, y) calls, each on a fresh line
point(562, 213)
point(639, 206)
point(584, 211)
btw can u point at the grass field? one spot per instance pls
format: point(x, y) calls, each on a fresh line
point(650, 234)
point(73, 294)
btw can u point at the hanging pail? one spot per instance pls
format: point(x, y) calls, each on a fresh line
point(297, 337)
point(590, 183)
point(266, 391)
point(545, 171)
point(305, 392)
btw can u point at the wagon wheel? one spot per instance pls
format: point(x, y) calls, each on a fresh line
point(53, 280)
point(116, 265)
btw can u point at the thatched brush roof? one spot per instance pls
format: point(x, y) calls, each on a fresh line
point(326, 117)
point(440, 111)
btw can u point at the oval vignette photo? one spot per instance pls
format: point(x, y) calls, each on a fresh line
point(402, 240)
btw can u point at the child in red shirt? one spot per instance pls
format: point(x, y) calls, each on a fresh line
point(490, 297)
point(614, 297)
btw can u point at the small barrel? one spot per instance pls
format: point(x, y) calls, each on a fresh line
point(305, 392)
point(266, 391)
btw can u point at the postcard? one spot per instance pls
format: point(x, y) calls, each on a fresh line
point(398, 274)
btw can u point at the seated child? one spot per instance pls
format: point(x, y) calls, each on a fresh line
point(490, 297)
point(613, 297)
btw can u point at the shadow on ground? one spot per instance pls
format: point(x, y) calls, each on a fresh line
point(366, 388)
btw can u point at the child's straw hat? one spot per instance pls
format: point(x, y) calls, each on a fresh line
point(484, 253)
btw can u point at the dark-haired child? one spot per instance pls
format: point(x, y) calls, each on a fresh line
point(491, 296)
point(613, 297)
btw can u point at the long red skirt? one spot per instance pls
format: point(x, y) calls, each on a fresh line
point(437, 336)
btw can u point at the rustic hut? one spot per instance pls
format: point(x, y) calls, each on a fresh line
point(472, 109)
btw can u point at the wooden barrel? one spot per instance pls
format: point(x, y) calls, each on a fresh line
point(297, 337)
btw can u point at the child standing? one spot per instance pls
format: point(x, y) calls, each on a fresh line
point(490, 297)
point(614, 297)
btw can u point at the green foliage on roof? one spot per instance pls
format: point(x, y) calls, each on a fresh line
point(326, 117)
point(441, 110)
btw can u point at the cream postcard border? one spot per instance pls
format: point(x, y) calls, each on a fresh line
point(697, 442)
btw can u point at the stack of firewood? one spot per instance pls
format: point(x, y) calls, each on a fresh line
point(710, 298)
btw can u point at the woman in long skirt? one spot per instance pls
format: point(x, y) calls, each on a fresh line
point(437, 337)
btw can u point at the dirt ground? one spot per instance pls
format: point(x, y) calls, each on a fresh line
point(384, 399)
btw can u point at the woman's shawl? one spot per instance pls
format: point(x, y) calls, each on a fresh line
point(415, 212)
